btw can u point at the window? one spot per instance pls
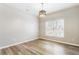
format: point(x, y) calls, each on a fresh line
point(54, 28)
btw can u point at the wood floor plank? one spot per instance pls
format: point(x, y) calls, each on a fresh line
point(40, 47)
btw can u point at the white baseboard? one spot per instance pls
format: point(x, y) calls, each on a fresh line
point(61, 42)
point(35, 39)
point(17, 43)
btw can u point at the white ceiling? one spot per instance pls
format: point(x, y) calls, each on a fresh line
point(33, 9)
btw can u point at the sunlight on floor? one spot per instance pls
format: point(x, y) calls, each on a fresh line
point(54, 49)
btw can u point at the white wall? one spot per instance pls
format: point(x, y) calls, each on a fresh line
point(16, 27)
point(71, 25)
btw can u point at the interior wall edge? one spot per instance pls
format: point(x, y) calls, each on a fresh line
point(61, 42)
point(17, 43)
point(62, 10)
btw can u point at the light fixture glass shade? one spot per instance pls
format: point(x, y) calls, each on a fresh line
point(42, 13)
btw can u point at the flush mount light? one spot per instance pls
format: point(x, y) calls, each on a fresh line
point(42, 12)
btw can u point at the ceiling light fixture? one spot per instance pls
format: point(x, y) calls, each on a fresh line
point(42, 12)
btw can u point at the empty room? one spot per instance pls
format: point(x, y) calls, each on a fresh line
point(39, 29)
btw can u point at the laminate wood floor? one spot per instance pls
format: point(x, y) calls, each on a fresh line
point(40, 47)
